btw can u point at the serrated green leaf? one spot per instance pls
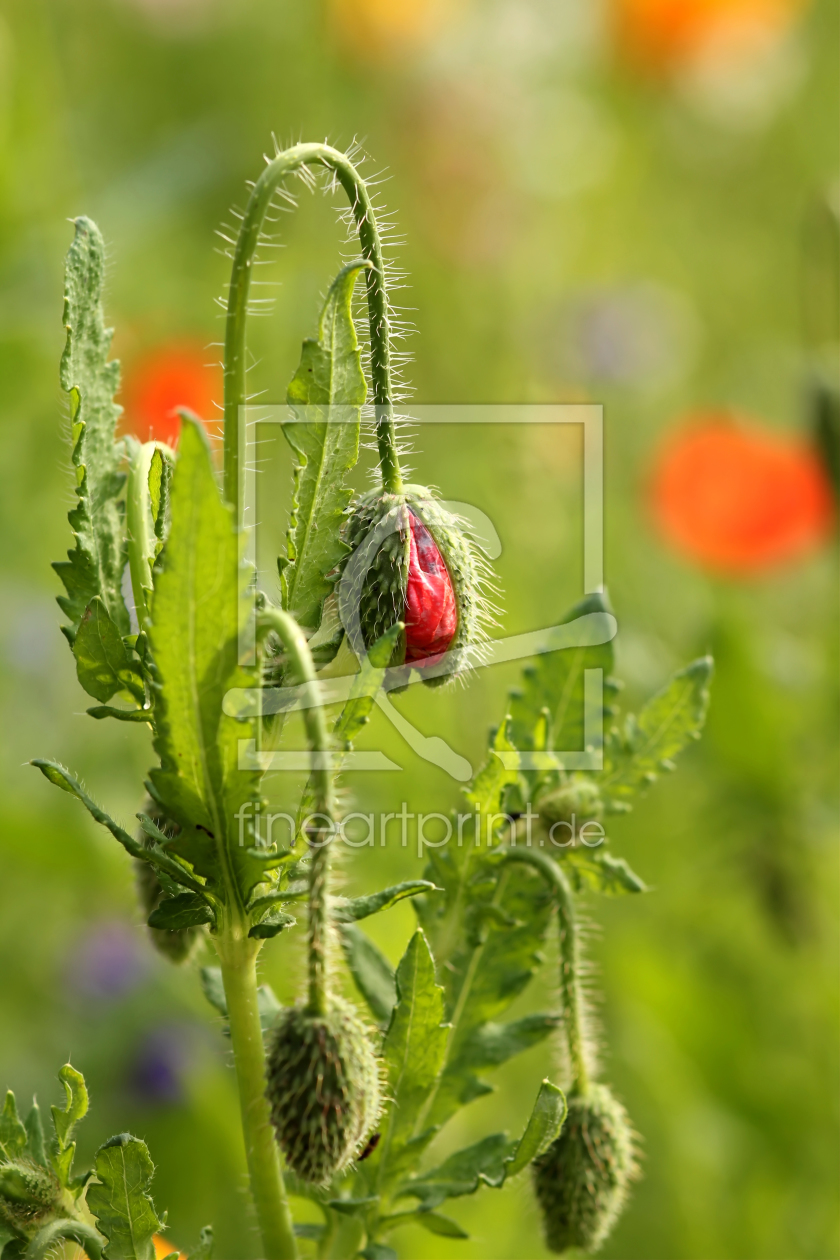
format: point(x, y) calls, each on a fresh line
point(555, 682)
point(120, 1201)
point(371, 971)
point(12, 1130)
point(48, 1238)
point(362, 907)
point(155, 855)
point(441, 1225)
point(672, 718)
point(330, 385)
point(35, 1145)
point(494, 959)
point(275, 921)
point(493, 1044)
point(66, 1118)
point(195, 644)
point(598, 869)
point(214, 989)
point(103, 664)
point(367, 682)
point(204, 1250)
point(414, 1046)
point(185, 910)
point(94, 567)
point(545, 1122)
point(485, 791)
point(485, 1162)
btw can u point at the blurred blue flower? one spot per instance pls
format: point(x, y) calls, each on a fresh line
point(108, 962)
point(156, 1074)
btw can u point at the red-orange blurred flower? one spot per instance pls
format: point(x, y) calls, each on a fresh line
point(170, 377)
point(738, 498)
point(665, 34)
point(373, 29)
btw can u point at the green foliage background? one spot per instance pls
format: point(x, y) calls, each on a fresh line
point(721, 985)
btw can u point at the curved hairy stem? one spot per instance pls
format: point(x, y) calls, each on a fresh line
point(323, 792)
point(240, 284)
point(570, 988)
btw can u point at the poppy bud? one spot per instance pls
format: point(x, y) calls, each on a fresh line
point(177, 945)
point(576, 803)
point(323, 1087)
point(413, 562)
point(28, 1194)
point(583, 1178)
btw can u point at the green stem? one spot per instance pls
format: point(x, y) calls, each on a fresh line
point(238, 955)
point(323, 792)
point(138, 526)
point(237, 309)
point(570, 987)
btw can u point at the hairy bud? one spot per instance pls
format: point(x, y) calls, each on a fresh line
point(578, 801)
point(583, 1178)
point(179, 945)
point(412, 562)
point(28, 1194)
point(323, 1087)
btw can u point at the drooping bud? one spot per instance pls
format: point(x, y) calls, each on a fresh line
point(582, 1180)
point(29, 1194)
point(179, 945)
point(323, 1087)
point(412, 561)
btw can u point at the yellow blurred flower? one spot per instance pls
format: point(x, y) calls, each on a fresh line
point(163, 1247)
point(373, 29)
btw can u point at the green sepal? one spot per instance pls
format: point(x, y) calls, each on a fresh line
point(95, 566)
point(326, 445)
point(635, 755)
point(184, 911)
point(373, 974)
point(544, 1124)
point(160, 476)
point(362, 907)
point(120, 1201)
point(103, 664)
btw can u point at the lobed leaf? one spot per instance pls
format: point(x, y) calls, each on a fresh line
point(184, 911)
point(325, 394)
point(362, 907)
point(12, 1131)
point(120, 1201)
point(599, 870)
point(104, 665)
point(95, 566)
point(672, 718)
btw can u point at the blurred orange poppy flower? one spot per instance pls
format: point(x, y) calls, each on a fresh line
point(163, 1247)
point(172, 376)
point(738, 498)
point(663, 34)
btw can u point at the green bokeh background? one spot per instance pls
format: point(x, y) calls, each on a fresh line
point(539, 187)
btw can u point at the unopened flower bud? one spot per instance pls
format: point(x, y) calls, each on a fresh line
point(28, 1194)
point(578, 802)
point(413, 562)
point(583, 1178)
point(323, 1087)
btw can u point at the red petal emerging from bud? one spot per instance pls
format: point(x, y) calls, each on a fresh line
point(431, 613)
